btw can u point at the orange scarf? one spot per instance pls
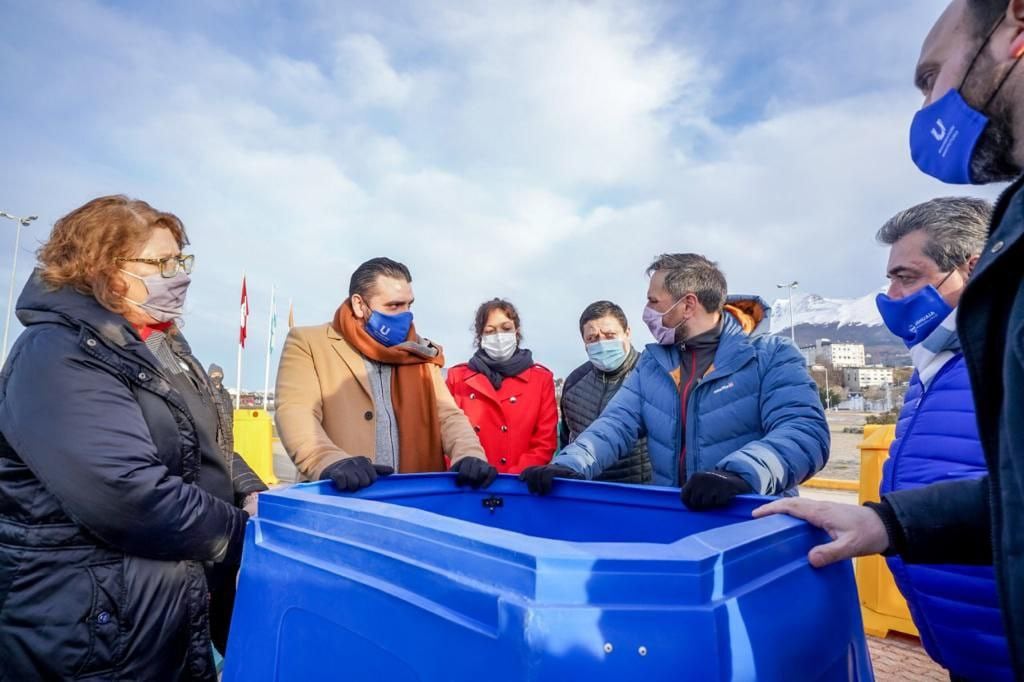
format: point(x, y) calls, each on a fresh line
point(412, 390)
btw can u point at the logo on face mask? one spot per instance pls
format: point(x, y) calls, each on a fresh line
point(389, 330)
point(914, 317)
point(939, 131)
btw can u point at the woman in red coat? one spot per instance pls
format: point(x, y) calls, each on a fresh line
point(509, 400)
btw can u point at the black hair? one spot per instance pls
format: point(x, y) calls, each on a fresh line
point(365, 277)
point(484, 312)
point(599, 309)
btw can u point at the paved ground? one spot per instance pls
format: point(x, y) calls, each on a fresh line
point(895, 659)
point(899, 659)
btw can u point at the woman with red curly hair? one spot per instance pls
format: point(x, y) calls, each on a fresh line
point(122, 510)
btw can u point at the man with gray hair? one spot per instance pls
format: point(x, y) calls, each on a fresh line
point(934, 247)
point(726, 409)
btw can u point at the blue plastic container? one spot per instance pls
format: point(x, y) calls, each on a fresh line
point(414, 579)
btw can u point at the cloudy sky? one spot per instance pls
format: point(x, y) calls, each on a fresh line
point(540, 151)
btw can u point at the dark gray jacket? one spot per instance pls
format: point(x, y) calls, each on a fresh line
point(101, 503)
point(587, 391)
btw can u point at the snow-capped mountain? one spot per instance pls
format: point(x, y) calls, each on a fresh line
point(812, 309)
point(841, 320)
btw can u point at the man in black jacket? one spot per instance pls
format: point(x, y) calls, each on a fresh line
point(971, 129)
point(592, 385)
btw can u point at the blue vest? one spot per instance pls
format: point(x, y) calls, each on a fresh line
point(956, 608)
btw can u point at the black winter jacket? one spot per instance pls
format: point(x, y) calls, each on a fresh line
point(104, 529)
point(586, 393)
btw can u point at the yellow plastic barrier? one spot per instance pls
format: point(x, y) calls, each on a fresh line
point(832, 484)
point(883, 607)
point(254, 441)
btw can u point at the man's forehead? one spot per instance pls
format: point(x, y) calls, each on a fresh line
point(391, 286)
point(908, 253)
point(604, 324)
point(950, 34)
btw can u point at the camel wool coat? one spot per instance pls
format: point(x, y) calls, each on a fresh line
point(325, 409)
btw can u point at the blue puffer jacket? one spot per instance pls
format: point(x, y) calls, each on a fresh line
point(956, 608)
point(755, 413)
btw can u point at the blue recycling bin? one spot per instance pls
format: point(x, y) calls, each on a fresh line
point(415, 579)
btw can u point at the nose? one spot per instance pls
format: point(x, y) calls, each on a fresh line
point(895, 290)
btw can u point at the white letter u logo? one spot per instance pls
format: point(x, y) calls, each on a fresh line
point(939, 131)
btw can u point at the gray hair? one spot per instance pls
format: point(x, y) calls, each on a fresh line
point(691, 272)
point(957, 228)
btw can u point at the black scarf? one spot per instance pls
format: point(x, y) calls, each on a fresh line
point(497, 371)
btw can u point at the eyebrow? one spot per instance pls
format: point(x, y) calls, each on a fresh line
point(901, 269)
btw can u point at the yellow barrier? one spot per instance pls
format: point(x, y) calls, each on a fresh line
point(883, 607)
point(254, 434)
point(832, 484)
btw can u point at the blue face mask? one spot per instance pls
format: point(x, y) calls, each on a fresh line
point(943, 137)
point(945, 134)
point(607, 356)
point(389, 330)
point(914, 317)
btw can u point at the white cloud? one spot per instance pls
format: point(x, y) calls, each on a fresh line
point(544, 151)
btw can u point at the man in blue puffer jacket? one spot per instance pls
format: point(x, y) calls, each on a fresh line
point(935, 246)
point(726, 409)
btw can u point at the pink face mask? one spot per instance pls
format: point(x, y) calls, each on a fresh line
point(664, 335)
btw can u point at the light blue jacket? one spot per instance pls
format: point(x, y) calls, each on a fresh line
point(755, 413)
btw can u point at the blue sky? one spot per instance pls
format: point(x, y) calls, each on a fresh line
point(542, 151)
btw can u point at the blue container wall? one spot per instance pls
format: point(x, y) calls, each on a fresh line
point(593, 583)
point(570, 520)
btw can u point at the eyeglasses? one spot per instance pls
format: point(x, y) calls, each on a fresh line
point(169, 266)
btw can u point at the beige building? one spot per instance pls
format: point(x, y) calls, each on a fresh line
point(836, 355)
point(859, 378)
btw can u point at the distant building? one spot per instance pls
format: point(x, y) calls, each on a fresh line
point(836, 355)
point(859, 378)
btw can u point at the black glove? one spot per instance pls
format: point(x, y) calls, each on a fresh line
point(354, 473)
point(539, 479)
point(710, 489)
point(474, 472)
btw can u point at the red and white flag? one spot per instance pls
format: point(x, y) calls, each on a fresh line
point(244, 325)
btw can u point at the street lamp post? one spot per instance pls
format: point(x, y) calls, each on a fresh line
point(828, 394)
point(21, 222)
point(792, 329)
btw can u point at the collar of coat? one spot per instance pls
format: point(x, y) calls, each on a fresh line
point(735, 349)
point(481, 384)
point(39, 304)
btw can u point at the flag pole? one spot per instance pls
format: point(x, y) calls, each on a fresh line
point(271, 323)
point(238, 389)
point(241, 345)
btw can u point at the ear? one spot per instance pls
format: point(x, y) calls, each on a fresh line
point(1015, 18)
point(971, 263)
point(358, 306)
point(693, 305)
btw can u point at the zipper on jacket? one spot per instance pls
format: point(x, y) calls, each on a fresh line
point(684, 410)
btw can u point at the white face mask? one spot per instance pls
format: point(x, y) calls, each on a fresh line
point(500, 346)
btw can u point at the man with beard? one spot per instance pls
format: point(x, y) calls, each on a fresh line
point(970, 130)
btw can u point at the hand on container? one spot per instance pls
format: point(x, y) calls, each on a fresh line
point(855, 531)
point(249, 503)
point(474, 472)
point(540, 479)
point(354, 473)
point(710, 489)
